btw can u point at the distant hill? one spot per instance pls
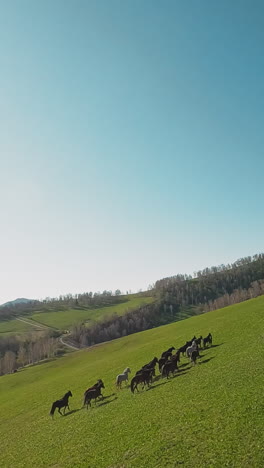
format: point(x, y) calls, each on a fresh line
point(20, 300)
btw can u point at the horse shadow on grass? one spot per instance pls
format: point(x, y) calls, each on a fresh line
point(109, 396)
point(216, 345)
point(72, 412)
point(158, 385)
point(107, 402)
point(206, 360)
point(184, 365)
point(157, 378)
point(179, 374)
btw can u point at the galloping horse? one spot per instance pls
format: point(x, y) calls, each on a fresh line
point(194, 356)
point(151, 363)
point(169, 367)
point(122, 377)
point(147, 371)
point(198, 341)
point(176, 356)
point(162, 362)
point(169, 351)
point(62, 403)
point(93, 393)
point(192, 348)
point(183, 348)
point(207, 339)
point(99, 383)
point(143, 377)
point(150, 367)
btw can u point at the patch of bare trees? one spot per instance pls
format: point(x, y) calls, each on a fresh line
point(15, 352)
point(115, 326)
point(212, 283)
point(153, 315)
point(239, 295)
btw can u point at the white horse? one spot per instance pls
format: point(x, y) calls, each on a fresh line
point(122, 377)
point(190, 349)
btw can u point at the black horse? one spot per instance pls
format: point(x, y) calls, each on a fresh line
point(93, 393)
point(198, 341)
point(168, 351)
point(183, 348)
point(169, 367)
point(207, 339)
point(149, 370)
point(176, 356)
point(162, 362)
point(62, 403)
point(151, 364)
point(144, 377)
point(194, 355)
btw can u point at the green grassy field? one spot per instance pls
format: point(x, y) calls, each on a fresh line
point(66, 318)
point(9, 327)
point(210, 415)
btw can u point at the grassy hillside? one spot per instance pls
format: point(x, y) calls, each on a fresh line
point(66, 318)
point(208, 415)
point(9, 327)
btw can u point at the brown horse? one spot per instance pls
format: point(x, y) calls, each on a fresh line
point(93, 393)
point(144, 377)
point(96, 385)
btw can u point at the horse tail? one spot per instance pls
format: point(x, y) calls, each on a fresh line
point(53, 409)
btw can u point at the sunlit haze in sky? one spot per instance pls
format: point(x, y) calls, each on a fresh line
point(131, 141)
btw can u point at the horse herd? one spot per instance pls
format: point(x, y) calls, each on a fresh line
point(168, 364)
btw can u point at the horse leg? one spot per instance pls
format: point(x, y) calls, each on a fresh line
point(60, 411)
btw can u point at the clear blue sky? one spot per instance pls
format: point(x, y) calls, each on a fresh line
point(131, 141)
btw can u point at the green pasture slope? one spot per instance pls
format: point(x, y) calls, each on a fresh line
point(14, 327)
point(210, 415)
point(63, 319)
